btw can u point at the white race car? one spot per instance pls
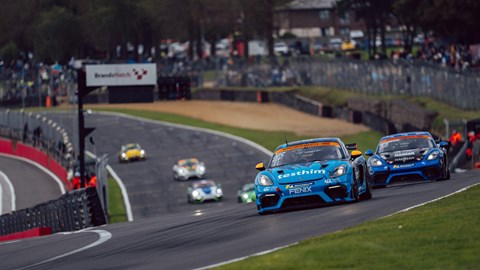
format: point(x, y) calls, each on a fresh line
point(204, 190)
point(188, 168)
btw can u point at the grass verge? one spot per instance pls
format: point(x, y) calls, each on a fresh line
point(116, 206)
point(440, 235)
point(267, 139)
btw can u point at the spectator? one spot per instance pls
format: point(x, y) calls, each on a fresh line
point(76, 181)
point(93, 180)
point(455, 138)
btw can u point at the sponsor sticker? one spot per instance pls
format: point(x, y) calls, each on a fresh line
point(300, 173)
point(399, 166)
point(307, 145)
point(298, 185)
point(300, 190)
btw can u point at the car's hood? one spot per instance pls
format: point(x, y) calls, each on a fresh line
point(303, 171)
point(133, 152)
point(404, 155)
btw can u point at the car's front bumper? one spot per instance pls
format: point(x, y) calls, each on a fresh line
point(406, 172)
point(299, 195)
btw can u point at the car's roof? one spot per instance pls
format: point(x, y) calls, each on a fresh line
point(314, 140)
point(185, 160)
point(203, 183)
point(131, 145)
point(406, 134)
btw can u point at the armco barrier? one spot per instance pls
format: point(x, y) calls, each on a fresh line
point(75, 210)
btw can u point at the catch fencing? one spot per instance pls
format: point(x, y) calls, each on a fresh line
point(459, 89)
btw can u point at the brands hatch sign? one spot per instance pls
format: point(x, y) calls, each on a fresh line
point(121, 75)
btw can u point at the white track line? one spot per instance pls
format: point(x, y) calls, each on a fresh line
point(103, 237)
point(219, 133)
point(54, 177)
point(278, 248)
point(434, 200)
point(12, 193)
point(246, 257)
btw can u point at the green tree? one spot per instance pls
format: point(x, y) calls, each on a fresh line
point(57, 35)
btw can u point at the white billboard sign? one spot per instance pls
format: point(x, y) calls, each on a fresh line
point(121, 74)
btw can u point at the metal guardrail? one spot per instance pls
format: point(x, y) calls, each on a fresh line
point(38, 131)
point(75, 210)
point(459, 89)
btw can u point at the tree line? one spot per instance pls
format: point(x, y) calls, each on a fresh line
point(56, 30)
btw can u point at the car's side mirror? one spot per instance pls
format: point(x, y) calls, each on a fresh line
point(369, 152)
point(356, 153)
point(443, 144)
point(260, 166)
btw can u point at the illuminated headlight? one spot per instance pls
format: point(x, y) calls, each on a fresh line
point(433, 155)
point(264, 180)
point(182, 171)
point(375, 162)
point(201, 169)
point(245, 196)
point(195, 193)
point(219, 191)
point(124, 155)
point(142, 153)
point(339, 171)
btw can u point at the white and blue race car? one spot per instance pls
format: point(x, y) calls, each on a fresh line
point(309, 173)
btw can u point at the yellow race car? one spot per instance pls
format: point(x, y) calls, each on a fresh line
point(131, 151)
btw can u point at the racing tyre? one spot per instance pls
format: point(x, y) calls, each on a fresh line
point(368, 193)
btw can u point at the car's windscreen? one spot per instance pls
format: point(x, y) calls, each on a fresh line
point(404, 143)
point(307, 153)
point(188, 162)
point(132, 147)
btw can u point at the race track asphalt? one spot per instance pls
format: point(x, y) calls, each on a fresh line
point(170, 234)
point(31, 184)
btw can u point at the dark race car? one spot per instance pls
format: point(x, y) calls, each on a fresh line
point(311, 172)
point(407, 157)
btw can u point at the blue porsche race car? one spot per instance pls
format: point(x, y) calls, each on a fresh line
point(407, 157)
point(309, 173)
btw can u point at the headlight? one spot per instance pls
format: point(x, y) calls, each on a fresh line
point(433, 155)
point(201, 169)
point(245, 196)
point(264, 180)
point(142, 152)
point(376, 162)
point(182, 171)
point(195, 193)
point(219, 191)
point(124, 155)
point(339, 171)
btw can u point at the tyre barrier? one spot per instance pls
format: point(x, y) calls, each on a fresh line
point(75, 210)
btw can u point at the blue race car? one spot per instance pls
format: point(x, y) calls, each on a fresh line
point(407, 157)
point(309, 173)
